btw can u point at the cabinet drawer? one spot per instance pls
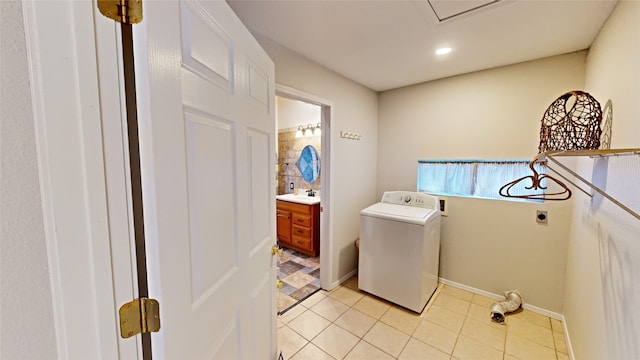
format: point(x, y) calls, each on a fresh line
point(294, 207)
point(304, 232)
point(301, 242)
point(300, 219)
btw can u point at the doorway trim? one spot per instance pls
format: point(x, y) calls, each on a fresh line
point(76, 93)
point(326, 221)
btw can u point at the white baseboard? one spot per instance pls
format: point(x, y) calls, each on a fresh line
point(541, 311)
point(471, 289)
point(535, 309)
point(568, 339)
point(346, 277)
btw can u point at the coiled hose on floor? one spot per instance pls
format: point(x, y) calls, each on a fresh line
point(512, 303)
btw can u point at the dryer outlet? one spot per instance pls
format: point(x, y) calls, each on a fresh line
point(541, 217)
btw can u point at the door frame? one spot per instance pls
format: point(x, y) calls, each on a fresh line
point(78, 103)
point(326, 220)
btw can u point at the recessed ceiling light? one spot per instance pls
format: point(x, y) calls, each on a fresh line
point(443, 51)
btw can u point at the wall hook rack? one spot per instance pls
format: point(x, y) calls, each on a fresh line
point(350, 136)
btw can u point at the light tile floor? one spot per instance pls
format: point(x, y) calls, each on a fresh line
point(346, 323)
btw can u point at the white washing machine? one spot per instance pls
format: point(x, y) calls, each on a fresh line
point(400, 248)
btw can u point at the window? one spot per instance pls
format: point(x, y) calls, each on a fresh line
point(473, 178)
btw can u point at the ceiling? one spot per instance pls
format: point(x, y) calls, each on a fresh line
point(389, 44)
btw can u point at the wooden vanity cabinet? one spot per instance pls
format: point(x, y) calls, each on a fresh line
point(298, 227)
point(283, 218)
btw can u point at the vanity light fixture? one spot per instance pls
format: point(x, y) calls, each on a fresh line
point(308, 131)
point(444, 50)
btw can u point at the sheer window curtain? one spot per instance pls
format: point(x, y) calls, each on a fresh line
point(452, 178)
point(481, 179)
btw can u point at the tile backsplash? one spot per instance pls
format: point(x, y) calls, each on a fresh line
point(289, 150)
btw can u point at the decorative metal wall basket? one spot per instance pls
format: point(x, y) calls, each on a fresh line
point(572, 122)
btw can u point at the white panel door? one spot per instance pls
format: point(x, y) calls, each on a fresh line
point(207, 129)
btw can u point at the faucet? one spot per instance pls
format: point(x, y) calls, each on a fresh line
point(310, 192)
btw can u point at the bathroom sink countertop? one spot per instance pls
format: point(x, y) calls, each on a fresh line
point(300, 199)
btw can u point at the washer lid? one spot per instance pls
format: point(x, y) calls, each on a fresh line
point(409, 214)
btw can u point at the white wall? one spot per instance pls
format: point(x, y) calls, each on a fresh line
point(602, 295)
point(293, 113)
point(27, 328)
point(491, 245)
point(492, 114)
point(353, 163)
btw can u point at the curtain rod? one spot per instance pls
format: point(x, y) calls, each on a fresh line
point(506, 161)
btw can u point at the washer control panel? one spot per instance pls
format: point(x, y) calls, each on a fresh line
point(410, 198)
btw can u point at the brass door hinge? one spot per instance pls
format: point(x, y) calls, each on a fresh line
point(139, 316)
point(124, 11)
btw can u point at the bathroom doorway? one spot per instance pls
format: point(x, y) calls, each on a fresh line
point(303, 128)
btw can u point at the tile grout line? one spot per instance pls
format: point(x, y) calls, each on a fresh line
point(350, 306)
point(368, 331)
point(506, 333)
point(460, 331)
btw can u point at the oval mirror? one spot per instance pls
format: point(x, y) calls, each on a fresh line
point(309, 164)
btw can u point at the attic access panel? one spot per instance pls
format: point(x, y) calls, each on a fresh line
point(446, 9)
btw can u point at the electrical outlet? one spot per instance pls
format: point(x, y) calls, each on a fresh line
point(444, 205)
point(541, 217)
point(291, 186)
